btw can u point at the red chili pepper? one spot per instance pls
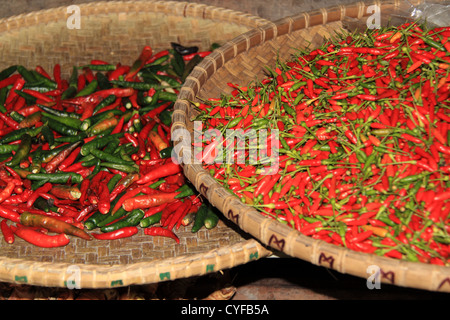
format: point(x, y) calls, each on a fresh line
point(38, 95)
point(104, 204)
point(361, 236)
point(40, 239)
point(117, 234)
point(144, 133)
point(97, 62)
point(69, 160)
point(201, 54)
point(394, 254)
point(10, 80)
point(157, 55)
point(118, 92)
point(37, 193)
point(119, 71)
point(88, 110)
point(130, 138)
point(162, 171)
point(148, 200)
point(12, 94)
point(153, 113)
point(9, 188)
point(351, 136)
point(7, 232)
point(411, 138)
point(9, 214)
point(178, 215)
point(9, 121)
point(414, 66)
point(146, 53)
point(367, 97)
point(57, 75)
point(160, 231)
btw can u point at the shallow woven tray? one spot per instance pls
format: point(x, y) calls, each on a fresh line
point(241, 61)
point(117, 32)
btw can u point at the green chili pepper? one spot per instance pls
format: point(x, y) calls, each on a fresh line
point(200, 217)
point(60, 127)
point(105, 156)
point(3, 93)
point(17, 134)
point(88, 89)
point(60, 113)
point(111, 218)
point(22, 152)
point(166, 117)
point(104, 103)
point(71, 139)
point(290, 111)
point(8, 148)
point(177, 63)
point(233, 123)
point(211, 219)
point(98, 143)
point(46, 83)
point(94, 219)
point(67, 121)
point(5, 73)
point(59, 177)
point(150, 220)
point(29, 99)
point(16, 116)
point(190, 66)
point(113, 181)
point(99, 67)
point(132, 219)
point(166, 152)
point(71, 91)
point(120, 167)
point(156, 184)
point(143, 86)
point(185, 190)
point(98, 117)
point(26, 75)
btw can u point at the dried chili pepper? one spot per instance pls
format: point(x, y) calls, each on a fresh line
point(52, 224)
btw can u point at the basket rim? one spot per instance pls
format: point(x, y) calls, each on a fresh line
point(23, 271)
point(114, 7)
point(94, 276)
point(286, 239)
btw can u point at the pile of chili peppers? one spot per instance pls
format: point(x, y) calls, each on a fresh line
point(363, 148)
point(94, 152)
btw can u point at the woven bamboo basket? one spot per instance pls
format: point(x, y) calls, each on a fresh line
point(117, 31)
point(241, 61)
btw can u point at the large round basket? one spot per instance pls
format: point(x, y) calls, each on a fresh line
point(241, 61)
point(117, 32)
